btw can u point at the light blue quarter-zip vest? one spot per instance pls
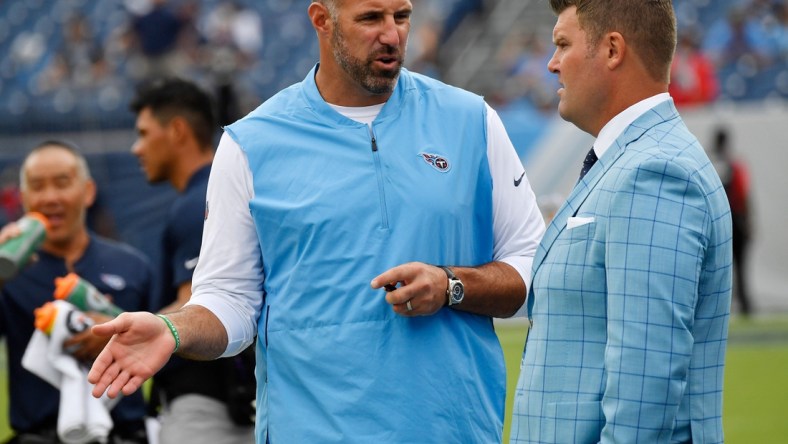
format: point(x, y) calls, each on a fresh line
point(336, 203)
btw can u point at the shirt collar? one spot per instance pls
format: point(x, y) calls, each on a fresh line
point(397, 98)
point(616, 126)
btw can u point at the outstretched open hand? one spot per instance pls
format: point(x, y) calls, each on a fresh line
point(140, 346)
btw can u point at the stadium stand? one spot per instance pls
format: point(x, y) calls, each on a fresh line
point(67, 68)
point(43, 87)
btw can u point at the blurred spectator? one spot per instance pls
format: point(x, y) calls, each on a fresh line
point(736, 180)
point(55, 180)
point(423, 45)
point(79, 62)
point(25, 52)
point(741, 39)
point(155, 32)
point(693, 80)
point(779, 30)
point(525, 58)
point(234, 40)
point(190, 38)
point(231, 24)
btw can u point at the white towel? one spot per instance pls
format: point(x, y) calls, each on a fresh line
point(36, 359)
point(82, 418)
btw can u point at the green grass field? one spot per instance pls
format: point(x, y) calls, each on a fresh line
point(756, 380)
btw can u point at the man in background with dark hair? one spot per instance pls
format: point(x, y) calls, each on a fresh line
point(56, 182)
point(175, 126)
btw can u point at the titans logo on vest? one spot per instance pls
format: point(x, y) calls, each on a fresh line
point(438, 162)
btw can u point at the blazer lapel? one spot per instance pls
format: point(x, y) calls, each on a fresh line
point(660, 113)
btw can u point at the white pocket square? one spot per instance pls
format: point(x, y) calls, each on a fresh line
point(574, 222)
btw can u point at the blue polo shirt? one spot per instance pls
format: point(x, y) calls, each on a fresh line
point(113, 268)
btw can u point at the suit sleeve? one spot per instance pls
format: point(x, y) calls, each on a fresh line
point(656, 236)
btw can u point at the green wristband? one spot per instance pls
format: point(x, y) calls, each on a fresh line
point(172, 330)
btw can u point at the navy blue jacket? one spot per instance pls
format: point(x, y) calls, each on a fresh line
point(113, 268)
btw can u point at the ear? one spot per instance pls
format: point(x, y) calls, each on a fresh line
point(320, 18)
point(178, 129)
point(90, 193)
point(616, 48)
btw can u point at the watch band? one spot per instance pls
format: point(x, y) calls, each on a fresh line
point(450, 274)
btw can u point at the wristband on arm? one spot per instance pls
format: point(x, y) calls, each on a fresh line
point(172, 330)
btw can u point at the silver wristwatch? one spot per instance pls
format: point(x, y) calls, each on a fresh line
point(455, 292)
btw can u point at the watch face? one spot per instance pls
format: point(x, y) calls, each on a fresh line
point(457, 292)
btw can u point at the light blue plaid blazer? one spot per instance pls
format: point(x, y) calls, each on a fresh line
point(630, 307)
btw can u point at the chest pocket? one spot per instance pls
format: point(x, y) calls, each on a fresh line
point(577, 234)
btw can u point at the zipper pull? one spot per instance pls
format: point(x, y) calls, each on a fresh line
point(374, 144)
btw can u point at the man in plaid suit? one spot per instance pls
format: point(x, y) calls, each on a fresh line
point(631, 288)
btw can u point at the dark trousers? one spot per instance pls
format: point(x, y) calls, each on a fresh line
point(740, 281)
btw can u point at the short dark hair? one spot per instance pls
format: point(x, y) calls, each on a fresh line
point(648, 25)
point(170, 97)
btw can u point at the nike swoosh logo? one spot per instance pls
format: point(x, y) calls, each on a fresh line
point(517, 181)
point(191, 263)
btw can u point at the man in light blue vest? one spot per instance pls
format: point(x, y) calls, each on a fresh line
point(365, 225)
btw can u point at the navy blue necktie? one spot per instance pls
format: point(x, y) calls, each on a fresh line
point(588, 162)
